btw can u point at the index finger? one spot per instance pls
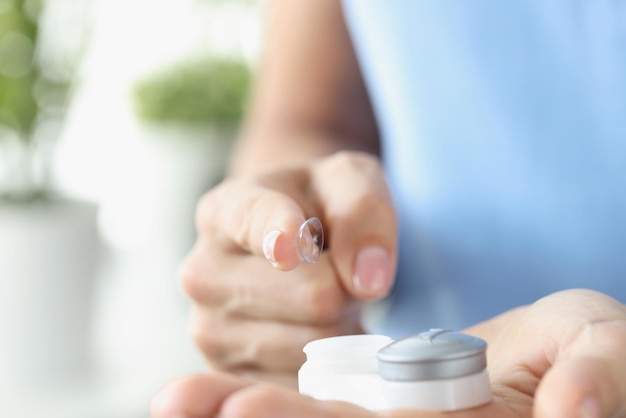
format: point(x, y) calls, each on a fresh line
point(197, 396)
point(204, 396)
point(253, 218)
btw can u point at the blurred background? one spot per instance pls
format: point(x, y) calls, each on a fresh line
point(115, 117)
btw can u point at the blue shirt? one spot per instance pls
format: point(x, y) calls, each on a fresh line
point(504, 141)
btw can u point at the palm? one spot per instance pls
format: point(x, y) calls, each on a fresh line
point(546, 357)
point(562, 356)
point(514, 378)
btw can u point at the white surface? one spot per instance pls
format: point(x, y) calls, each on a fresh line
point(86, 358)
point(101, 144)
point(146, 192)
point(47, 266)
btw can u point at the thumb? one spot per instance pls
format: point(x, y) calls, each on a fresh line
point(581, 388)
point(591, 381)
point(360, 222)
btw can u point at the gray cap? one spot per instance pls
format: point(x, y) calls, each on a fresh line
point(434, 354)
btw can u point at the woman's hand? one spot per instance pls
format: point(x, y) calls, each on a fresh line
point(308, 146)
point(562, 357)
point(253, 309)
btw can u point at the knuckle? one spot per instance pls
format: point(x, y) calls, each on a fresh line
point(189, 280)
point(374, 206)
point(342, 326)
point(212, 205)
point(199, 280)
point(249, 402)
point(368, 190)
point(205, 333)
point(206, 210)
point(256, 204)
point(371, 201)
point(357, 161)
point(323, 301)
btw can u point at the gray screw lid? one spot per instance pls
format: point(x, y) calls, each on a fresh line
point(430, 355)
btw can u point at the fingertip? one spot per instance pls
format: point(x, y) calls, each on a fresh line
point(269, 246)
point(255, 220)
point(279, 248)
point(195, 396)
point(373, 272)
point(590, 408)
point(572, 389)
point(173, 400)
point(361, 220)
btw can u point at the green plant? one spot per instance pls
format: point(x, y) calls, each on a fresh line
point(208, 91)
point(18, 74)
point(29, 93)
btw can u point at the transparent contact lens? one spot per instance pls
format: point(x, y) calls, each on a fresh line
point(311, 242)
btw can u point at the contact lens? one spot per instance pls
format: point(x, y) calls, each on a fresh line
point(311, 240)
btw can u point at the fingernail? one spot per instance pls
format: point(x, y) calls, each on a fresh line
point(162, 406)
point(589, 408)
point(269, 242)
point(372, 271)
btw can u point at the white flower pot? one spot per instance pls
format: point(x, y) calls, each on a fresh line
point(47, 266)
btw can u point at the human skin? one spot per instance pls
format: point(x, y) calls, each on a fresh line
point(309, 147)
point(562, 357)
